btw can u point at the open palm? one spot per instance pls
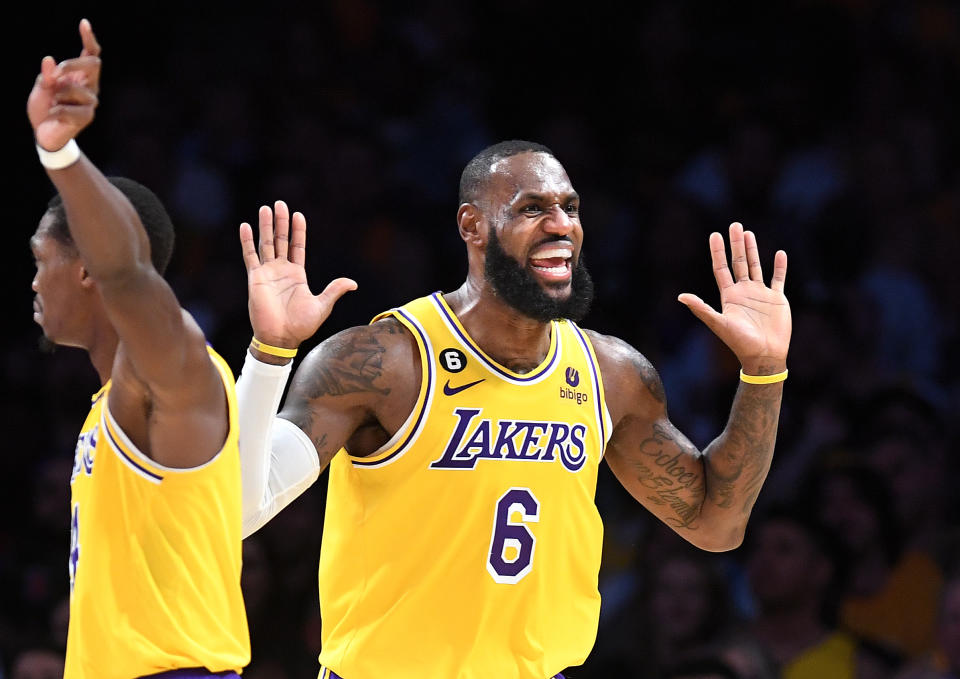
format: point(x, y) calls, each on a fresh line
point(754, 320)
point(283, 310)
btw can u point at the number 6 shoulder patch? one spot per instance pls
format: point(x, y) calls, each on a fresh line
point(452, 360)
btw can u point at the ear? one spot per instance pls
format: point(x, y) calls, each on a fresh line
point(86, 280)
point(469, 222)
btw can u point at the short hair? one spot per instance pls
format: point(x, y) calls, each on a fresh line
point(477, 171)
point(156, 222)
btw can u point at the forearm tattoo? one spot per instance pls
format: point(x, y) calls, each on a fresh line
point(670, 471)
point(736, 464)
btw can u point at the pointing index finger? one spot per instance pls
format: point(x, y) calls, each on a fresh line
point(90, 45)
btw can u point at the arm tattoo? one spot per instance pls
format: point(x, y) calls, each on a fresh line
point(739, 466)
point(669, 468)
point(352, 364)
point(651, 380)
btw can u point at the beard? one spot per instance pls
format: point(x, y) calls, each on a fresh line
point(520, 289)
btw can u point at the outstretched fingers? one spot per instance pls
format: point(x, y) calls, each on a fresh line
point(90, 45)
point(335, 289)
point(265, 228)
point(298, 239)
point(250, 258)
point(281, 229)
point(718, 257)
point(738, 253)
point(701, 310)
point(779, 271)
point(753, 256)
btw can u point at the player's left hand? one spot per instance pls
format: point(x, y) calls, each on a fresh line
point(64, 96)
point(755, 319)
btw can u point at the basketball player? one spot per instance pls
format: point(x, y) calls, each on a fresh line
point(464, 432)
point(156, 501)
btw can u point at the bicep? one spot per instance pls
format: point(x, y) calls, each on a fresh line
point(650, 457)
point(356, 378)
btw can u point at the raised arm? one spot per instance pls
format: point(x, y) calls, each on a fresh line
point(162, 367)
point(705, 496)
point(354, 390)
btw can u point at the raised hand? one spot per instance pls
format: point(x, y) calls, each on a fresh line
point(64, 95)
point(283, 311)
point(755, 319)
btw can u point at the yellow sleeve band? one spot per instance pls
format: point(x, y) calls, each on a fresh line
point(763, 379)
point(272, 350)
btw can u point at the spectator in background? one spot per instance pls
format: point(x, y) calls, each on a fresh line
point(795, 569)
point(944, 663)
point(38, 662)
point(891, 596)
point(682, 611)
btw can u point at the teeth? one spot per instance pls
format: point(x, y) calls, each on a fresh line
point(566, 253)
point(552, 269)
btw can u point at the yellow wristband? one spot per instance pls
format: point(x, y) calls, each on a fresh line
point(273, 351)
point(763, 379)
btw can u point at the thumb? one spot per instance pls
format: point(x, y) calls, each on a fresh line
point(701, 310)
point(336, 289)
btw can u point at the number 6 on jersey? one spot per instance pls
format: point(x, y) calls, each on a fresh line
point(512, 544)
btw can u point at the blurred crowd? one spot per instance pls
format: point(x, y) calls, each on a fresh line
point(822, 125)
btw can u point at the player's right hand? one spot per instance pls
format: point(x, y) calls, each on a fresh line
point(283, 311)
point(64, 95)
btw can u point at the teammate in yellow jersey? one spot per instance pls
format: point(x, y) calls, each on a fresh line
point(155, 546)
point(464, 431)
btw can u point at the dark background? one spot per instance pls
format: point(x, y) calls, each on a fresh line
point(827, 127)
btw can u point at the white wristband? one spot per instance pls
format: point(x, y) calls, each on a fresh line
point(61, 158)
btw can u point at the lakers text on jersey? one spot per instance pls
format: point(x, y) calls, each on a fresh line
point(469, 545)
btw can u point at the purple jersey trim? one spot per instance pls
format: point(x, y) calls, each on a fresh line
point(129, 460)
point(423, 410)
point(192, 673)
point(330, 674)
point(595, 373)
point(486, 361)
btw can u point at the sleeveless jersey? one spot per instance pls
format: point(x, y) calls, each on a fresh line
point(469, 545)
point(155, 555)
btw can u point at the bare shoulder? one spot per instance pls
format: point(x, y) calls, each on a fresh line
point(179, 420)
point(631, 383)
point(370, 360)
point(191, 380)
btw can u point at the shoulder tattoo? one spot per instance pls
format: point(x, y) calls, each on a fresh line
point(351, 362)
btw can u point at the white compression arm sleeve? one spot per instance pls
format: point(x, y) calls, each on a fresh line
point(277, 460)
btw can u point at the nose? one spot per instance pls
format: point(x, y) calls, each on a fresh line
point(34, 284)
point(558, 221)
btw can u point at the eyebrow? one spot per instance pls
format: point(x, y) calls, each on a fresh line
point(540, 197)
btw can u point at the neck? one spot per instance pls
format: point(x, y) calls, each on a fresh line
point(507, 336)
point(102, 348)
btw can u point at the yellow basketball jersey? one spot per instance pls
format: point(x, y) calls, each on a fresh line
point(469, 545)
point(155, 556)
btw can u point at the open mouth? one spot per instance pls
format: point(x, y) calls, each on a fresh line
point(553, 262)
